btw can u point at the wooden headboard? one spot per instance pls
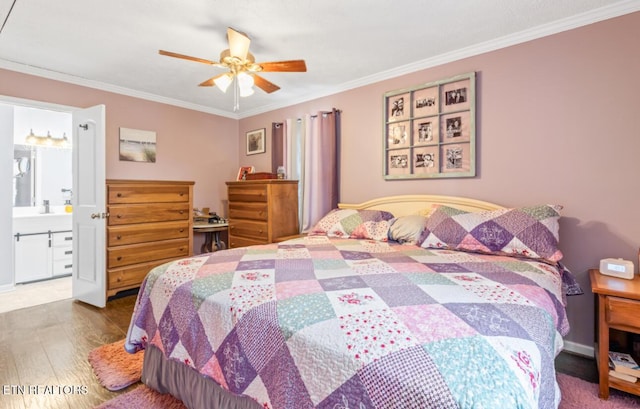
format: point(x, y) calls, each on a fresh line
point(404, 205)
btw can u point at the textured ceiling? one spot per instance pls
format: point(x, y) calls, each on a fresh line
point(114, 44)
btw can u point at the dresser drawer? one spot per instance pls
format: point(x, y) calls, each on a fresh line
point(144, 252)
point(622, 311)
point(130, 276)
point(147, 213)
point(142, 233)
point(122, 194)
point(248, 210)
point(247, 193)
point(249, 229)
point(235, 241)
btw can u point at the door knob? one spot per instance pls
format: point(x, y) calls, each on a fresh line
point(95, 215)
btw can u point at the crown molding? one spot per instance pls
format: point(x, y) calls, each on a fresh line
point(58, 76)
point(566, 24)
point(579, 20)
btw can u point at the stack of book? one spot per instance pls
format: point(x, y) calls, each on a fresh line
point(623, 366)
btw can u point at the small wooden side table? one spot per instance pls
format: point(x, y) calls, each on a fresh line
point(618, 306)
point(212, 235)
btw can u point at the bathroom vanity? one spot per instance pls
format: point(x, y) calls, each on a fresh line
point(42, 245)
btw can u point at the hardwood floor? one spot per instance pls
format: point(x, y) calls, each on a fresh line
point(48, 345)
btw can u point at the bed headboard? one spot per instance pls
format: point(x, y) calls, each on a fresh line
point(404, 205)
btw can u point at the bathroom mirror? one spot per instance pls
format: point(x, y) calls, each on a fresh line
point(23, 165)
point(41, 173)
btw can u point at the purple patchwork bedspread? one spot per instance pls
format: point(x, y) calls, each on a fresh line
point(338, 323)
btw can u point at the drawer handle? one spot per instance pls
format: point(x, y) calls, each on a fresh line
point(118, 237)
point(181, 194)
point(232, 227)
point(119, 216)
point(181, 249)
point(260, 231)
point(181, 211)
point(119, 195)
point(119, 258)
point(181, 230)
point(68, 265)
point(118, 279)
point(68, 238)
point(68, 252)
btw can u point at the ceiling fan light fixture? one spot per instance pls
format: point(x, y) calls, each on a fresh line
point(245, 83)
point(223, 82)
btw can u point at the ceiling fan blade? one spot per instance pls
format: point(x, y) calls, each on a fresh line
point(238, 43)
point(210, 82)
point(263, 84)
point(186, 57)
point(284, 66)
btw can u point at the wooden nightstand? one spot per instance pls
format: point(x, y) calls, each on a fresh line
point(618, 306)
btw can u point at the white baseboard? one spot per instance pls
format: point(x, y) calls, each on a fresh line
point(6, 288)
point(579, 349)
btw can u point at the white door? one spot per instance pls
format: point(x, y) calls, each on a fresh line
point(89, 206)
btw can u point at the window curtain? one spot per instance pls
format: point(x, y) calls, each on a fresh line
point(310, 152)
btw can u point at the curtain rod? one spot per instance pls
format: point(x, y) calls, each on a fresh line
point(277, 124)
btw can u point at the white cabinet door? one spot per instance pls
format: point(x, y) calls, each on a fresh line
point(32, 258)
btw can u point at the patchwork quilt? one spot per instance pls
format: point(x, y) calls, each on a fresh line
point(320, 322)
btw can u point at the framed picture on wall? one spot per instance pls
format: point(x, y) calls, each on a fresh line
point(256, 141)
point(429, 130)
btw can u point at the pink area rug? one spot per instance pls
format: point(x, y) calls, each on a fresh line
point(114, 367)
point(579, 394)
point(143, 397)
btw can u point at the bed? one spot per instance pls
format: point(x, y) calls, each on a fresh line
point(412, 301)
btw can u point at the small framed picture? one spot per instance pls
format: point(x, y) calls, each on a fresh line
point(244, 171)
point(256, 142)
point(398, 107)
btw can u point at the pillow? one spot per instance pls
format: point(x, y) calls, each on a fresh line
point(354, 224)
point(407, 229)
point(530, 232)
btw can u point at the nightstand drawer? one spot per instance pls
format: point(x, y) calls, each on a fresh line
point(621, 311)
point(248, 210)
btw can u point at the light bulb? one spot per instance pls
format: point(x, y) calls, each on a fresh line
point(223, 82)
point(245, 83)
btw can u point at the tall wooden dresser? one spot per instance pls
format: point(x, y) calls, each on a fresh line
point(262, 211)
point(149, 223)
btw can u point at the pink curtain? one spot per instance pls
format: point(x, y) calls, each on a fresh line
point(310, 148)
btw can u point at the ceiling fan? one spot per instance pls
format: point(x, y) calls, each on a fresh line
point(243, 70)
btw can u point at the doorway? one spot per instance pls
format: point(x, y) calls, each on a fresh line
point(40, 169)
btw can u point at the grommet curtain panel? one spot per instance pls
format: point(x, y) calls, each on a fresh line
point(308, 148)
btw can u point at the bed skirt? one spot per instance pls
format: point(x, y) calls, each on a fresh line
point(185, 383)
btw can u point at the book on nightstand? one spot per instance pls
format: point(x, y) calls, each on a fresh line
point(623, 376)
point(624, 364)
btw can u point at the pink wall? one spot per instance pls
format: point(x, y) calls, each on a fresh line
point(191, 145)
point(558, 121)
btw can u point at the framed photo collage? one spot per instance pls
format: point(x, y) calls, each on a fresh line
point(429, 130)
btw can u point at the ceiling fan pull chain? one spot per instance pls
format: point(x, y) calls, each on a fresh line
point(236, 96)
